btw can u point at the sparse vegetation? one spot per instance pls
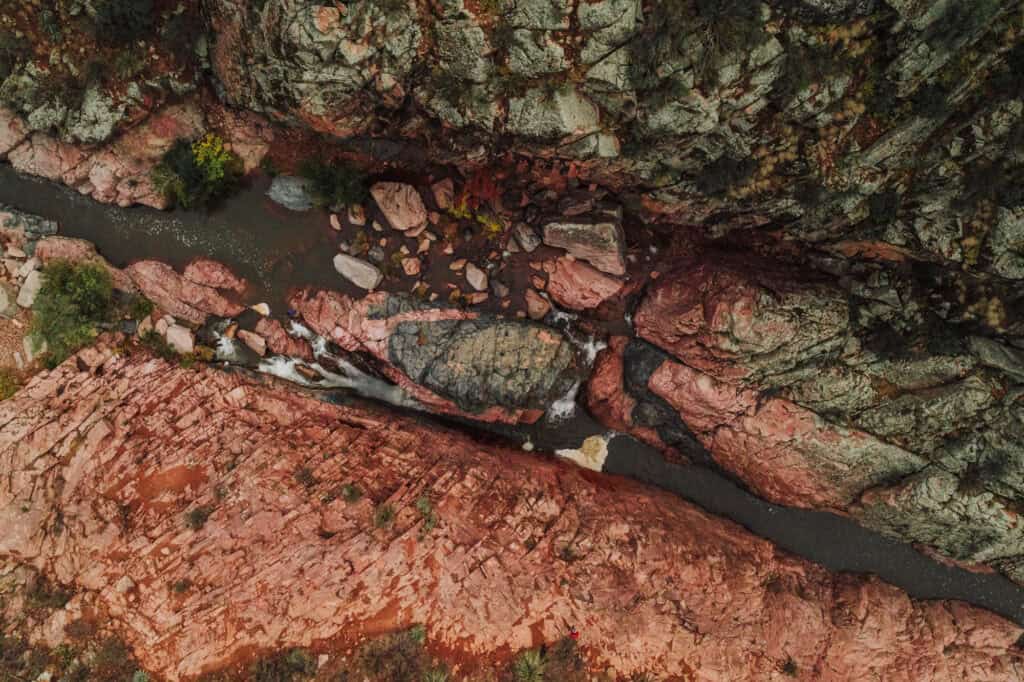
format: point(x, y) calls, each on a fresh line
point(296, 664)
point(383, 516)
point(350, 493)
point(197, 174)
point(197, 518)
point(304, 477)
point(334, 183)
point(396, 658)
point(529, 666)
point(426, 510)
point(181, 586)
point(72, 302)
point(9, 383)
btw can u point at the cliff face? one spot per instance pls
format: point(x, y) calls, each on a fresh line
point(123, 475)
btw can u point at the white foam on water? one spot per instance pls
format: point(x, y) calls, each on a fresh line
point(352, 379)
point(228, 350)
point(565, 407)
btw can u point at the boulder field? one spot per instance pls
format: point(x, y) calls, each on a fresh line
point(106, 460)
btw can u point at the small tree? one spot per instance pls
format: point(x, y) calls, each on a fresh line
point(193, 174)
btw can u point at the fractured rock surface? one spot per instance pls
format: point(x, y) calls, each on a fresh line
point(121, 448)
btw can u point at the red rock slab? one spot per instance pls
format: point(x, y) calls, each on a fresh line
point(785, 452)
point(177, 295)
point(212, 274)
point(654, 583)
point(579, 286)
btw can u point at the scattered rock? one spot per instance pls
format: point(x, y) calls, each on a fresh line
point(536, 305)
point(457, 264)
point(499, 288)
point(527, 237)
point(30, 289)
point(8, 300)
point(444, 193)
point(601, 244)
point(335, 222)
point(476, 277)
point(411, 266)
point(291, 192)
point(357, 215)
point(359, 272)
point(261, 308)
point(254, 341)
point(27, 267)
point(180, 338)
point(578, 286)
point(401, 204)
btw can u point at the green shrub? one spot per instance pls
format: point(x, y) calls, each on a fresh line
point(73, 300)
point(396, 658)
point(383, 516)
point(196, 174)
point(426, 510)
point(435, 675)
point(197, 518)
point(304, 477)
point(529, 666)
point(333, 184)
point(123, 21)
point(351, 493)
point(297, 664)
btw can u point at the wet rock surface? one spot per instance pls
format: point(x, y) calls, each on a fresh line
point(215, 442)
point(484, 366)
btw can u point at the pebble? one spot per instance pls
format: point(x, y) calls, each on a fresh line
point(476, 277)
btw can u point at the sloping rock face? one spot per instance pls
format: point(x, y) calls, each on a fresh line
point(759, 109)
point(452, 360)
point(800, 389)
point(116, 450)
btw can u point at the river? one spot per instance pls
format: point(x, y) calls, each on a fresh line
point(277, 249)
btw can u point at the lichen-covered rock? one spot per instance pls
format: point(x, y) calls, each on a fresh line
point(281, 561)
point(452, 360)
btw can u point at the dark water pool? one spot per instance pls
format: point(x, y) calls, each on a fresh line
point(277, 249)
point(272, 247)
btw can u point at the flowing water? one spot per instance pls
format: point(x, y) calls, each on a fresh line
point(277, 250)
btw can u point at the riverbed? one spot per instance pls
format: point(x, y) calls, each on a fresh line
point(278, 250)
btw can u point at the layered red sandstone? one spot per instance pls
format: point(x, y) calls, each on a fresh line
point(121, 446)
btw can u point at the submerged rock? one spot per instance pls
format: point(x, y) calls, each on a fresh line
point(451, 360)
point(359, 272)
point(601, 244)
point(578, 286)
point(401, 204)
point(291, 192)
